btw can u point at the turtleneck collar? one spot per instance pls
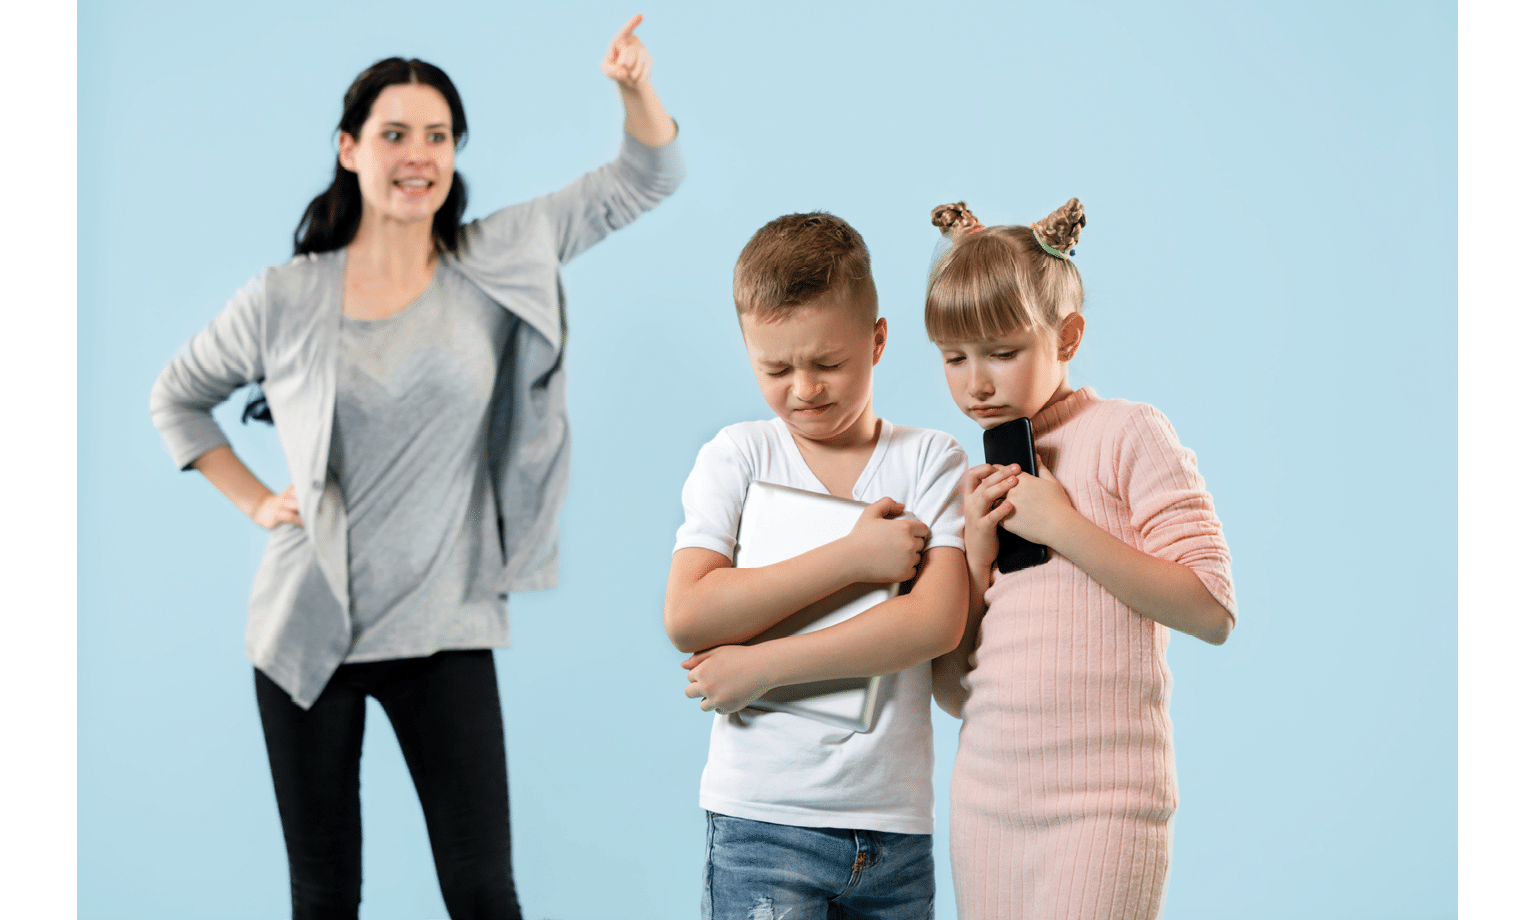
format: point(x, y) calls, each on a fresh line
point(1056, 414)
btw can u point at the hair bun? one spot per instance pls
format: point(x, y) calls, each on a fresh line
point(955, 220)
point(1063, 227)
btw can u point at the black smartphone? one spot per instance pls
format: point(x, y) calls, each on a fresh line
point(1013, 442)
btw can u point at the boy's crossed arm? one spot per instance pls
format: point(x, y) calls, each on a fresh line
point(713, 606)
point(710, 602)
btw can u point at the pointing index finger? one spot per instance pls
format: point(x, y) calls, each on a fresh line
point(629, 29)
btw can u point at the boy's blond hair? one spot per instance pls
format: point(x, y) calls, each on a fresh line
point(798, 258)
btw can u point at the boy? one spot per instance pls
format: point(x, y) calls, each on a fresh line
point(803, 816)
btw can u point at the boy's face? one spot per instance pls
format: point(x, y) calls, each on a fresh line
point(816, 367)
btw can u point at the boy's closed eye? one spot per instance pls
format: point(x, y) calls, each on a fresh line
point(821, 367)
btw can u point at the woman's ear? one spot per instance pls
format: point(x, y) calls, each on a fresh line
point(346, 152)
point(880, 333)
point(1070, 336)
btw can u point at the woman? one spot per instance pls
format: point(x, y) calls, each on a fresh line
point(412, 367)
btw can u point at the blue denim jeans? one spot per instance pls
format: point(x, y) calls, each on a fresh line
point(759, 871)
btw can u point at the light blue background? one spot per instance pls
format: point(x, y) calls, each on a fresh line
point(1269, 260)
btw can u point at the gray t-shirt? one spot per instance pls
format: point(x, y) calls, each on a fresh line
point(409, 452)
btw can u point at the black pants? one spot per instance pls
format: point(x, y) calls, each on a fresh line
point(447, 716)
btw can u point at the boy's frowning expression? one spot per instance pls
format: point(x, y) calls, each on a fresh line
point(815, 368)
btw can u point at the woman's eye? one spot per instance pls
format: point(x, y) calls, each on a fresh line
point(438, 137)
point(392, 136)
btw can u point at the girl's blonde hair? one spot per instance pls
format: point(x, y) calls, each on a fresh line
point(995, 281)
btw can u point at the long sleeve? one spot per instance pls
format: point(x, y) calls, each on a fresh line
point(612, 195)
point(1171, 510)
point(220, 359)
point(515, 254)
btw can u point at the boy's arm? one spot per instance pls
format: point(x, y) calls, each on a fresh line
point(951, 666)
point(709, 602)
point(889, 637)
point(984, 487)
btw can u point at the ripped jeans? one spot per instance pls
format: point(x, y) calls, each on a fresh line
point(754, 870)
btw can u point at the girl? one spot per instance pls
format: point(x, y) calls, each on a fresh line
point(1063, 791)
point(412, 366)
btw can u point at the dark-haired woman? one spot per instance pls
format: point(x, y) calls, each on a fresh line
point(412, 367)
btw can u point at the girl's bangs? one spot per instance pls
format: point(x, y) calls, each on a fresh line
point(976, 294)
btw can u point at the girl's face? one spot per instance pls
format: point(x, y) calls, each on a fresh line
point(403, 154)
point(1014, 376)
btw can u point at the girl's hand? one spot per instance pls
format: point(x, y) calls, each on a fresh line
point(725, 678)
point(985, 508)
point(886, 549)
point(1040, 507)
point(282, 508)
point(627, 61)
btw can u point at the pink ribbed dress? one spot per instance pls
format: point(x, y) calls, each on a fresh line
point(1063, 791)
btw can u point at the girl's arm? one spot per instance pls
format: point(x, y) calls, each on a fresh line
point(1157, 589)
point(985, 507)
point(888, 637)
point(628, 64)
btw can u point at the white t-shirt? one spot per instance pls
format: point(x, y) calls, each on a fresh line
point(787, 769)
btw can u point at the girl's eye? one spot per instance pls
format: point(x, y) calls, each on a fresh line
point(779, 373)
point(830, 367)
point(1003, 355)
point(954, 359)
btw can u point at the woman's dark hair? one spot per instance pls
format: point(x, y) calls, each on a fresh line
point(330, 222)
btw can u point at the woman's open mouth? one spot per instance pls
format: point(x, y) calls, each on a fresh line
point(414, 187)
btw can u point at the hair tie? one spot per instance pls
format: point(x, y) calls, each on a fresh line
point(1048, 247)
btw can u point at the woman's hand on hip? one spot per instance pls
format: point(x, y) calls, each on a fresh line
point(281, 508)
point(627, 61)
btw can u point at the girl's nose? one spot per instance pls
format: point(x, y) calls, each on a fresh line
point(980, 385)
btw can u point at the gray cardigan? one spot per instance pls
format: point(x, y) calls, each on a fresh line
point(281, 330)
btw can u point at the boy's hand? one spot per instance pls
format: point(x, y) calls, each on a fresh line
point(1040, 506)
point(886, 549)
point(986, 485)
point(726, 678)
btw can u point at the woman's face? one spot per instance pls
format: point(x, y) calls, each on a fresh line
point(403, 154)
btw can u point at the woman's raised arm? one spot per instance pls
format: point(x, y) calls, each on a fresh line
point(628, 63)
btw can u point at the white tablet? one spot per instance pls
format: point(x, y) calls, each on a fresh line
point(777, 523)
